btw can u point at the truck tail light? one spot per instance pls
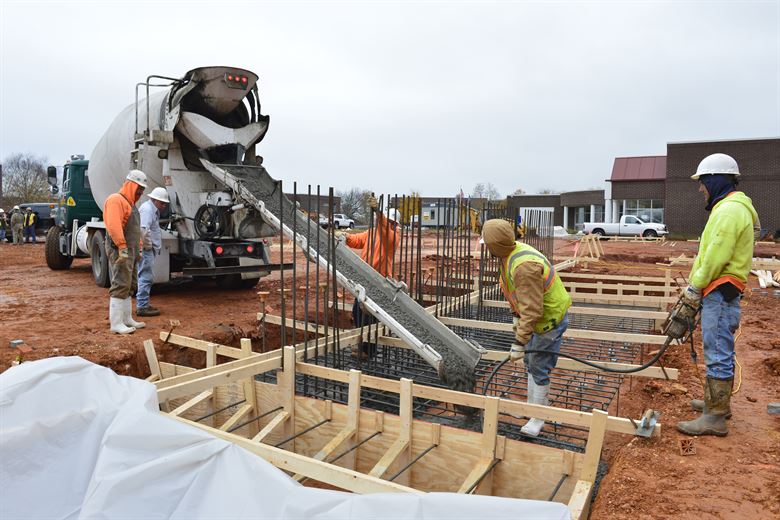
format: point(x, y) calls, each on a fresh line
point(219, 250)
point(250, 249)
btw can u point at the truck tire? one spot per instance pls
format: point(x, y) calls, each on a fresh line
point(598, 232)
point(54, 259)
point(351, 225)
point(650, 233)
point(100, 260)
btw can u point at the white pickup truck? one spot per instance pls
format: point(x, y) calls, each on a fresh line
point(629, 225)
point(339, 221)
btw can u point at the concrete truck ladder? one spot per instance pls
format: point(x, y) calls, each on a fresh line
point(453, 357)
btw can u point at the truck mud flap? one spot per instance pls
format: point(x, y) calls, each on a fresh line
point(454, 358)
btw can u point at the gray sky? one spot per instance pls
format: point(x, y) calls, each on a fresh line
point(401, 96)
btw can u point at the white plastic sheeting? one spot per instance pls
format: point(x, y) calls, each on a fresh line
point(79, 441)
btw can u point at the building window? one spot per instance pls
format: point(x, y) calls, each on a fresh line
point(647, 210)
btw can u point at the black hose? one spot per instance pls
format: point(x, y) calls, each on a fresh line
point(639, 368)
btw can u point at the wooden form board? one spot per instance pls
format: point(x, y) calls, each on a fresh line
point(459, 459)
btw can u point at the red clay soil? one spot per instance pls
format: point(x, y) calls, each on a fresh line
point(65, 313)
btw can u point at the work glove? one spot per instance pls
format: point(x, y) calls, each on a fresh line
point(341, 236)
point(123, 257)
point(372, 203)
point(692, 296)
point(516, 352)
point(756, 233)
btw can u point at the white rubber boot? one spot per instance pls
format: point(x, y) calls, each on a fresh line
point(116, 310)
point(537, 394)
point(127, 315)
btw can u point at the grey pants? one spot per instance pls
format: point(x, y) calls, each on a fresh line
point(124, 277)
point(18, 234)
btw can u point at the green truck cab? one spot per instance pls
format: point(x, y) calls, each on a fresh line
point(75, 207)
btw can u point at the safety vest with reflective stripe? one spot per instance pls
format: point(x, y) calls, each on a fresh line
point(556, 300)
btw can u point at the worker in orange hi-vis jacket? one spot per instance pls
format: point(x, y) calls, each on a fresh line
point(377, 249)
point(123, 244)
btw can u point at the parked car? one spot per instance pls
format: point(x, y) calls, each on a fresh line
point(339, 221)
point(629, 225)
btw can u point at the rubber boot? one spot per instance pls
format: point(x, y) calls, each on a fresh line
point(127, 315)
point(537, 394)
point(698, 405)
point(116, 310)
point(717, 399)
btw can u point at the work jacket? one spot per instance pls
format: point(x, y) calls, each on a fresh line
point(29, 219)
point(116, 212)
point(378, 249)
point(17, 219)
point(726, 247)
point(3, 222)
point(534, 291)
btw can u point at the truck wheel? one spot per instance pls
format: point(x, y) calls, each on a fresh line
point(99, 261)
point(337, 225)
point(54, 259)
point(597, 232)
point(351, 225)
point(650, 233)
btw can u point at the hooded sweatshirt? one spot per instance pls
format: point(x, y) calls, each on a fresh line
point(726, 248)
point(116, 212)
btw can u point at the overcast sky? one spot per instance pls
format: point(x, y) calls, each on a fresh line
point(402, 96)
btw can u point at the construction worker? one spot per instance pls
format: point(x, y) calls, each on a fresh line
point(151, 240)
point(377, 249)
point(717, 280)
point(3, 225)
point(29, 226)
point(17, 225)
point(123, 224)
point(539, 302)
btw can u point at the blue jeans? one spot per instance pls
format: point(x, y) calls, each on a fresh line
point(2, 235)
point(719, 322)
point(540, 365)
point(145, 279)
point(29, 232)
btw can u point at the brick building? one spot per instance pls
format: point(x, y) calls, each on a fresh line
point(759, 166)
point(637, 187)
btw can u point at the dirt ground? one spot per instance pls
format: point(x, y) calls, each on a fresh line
point(64, 313)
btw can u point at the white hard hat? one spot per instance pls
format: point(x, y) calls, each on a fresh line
point(2, 210)
point(138, 177)
point(393, 214)
point(160, 194)
point(15, 207)
point(717, 164)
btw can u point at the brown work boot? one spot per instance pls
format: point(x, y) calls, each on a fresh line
point(148, 311)
point(717, 399)
point(698, 406)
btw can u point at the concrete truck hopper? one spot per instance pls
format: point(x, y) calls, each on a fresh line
point(197, 138)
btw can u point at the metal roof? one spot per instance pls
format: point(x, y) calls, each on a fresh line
point(627, 169)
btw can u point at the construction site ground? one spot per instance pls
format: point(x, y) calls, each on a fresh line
point(63, 313)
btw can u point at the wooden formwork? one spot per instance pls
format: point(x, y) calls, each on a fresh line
point(366, 451)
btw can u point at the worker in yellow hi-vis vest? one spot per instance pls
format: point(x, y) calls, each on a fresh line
point(539, 302)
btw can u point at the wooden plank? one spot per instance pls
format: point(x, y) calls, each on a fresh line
point(622, 337)
point(154, 367)
point(286, 384)
point(198, 344)
point(271, 426)
point(249, 384)
point(623, 277)
point(570, 364)
point(195, 401)
point(596, 432)
point(299, 324)
point(314, 469)
point(236, 417)
point(579, 502)
point(655, 302)
point(482, 466)
point(400, 451)
point(618, 313)
point(220, 377)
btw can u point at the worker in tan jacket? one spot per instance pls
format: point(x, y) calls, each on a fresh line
point(539, 302)
point(123, 244)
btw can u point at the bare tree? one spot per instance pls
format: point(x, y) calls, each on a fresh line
point(24, 178)
point(518, 191)
point(547, 191)
point(354, 203)
point(491, 192)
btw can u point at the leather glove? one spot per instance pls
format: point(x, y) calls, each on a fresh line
point(123, 257)
point(341, 236)
point(516, 352)
point(372, 203)
point(692, 296)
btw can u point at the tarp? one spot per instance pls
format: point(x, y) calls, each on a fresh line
point(79, 441)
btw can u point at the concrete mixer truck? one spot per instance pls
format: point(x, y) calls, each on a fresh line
point(197, 138)
point(165, 134)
